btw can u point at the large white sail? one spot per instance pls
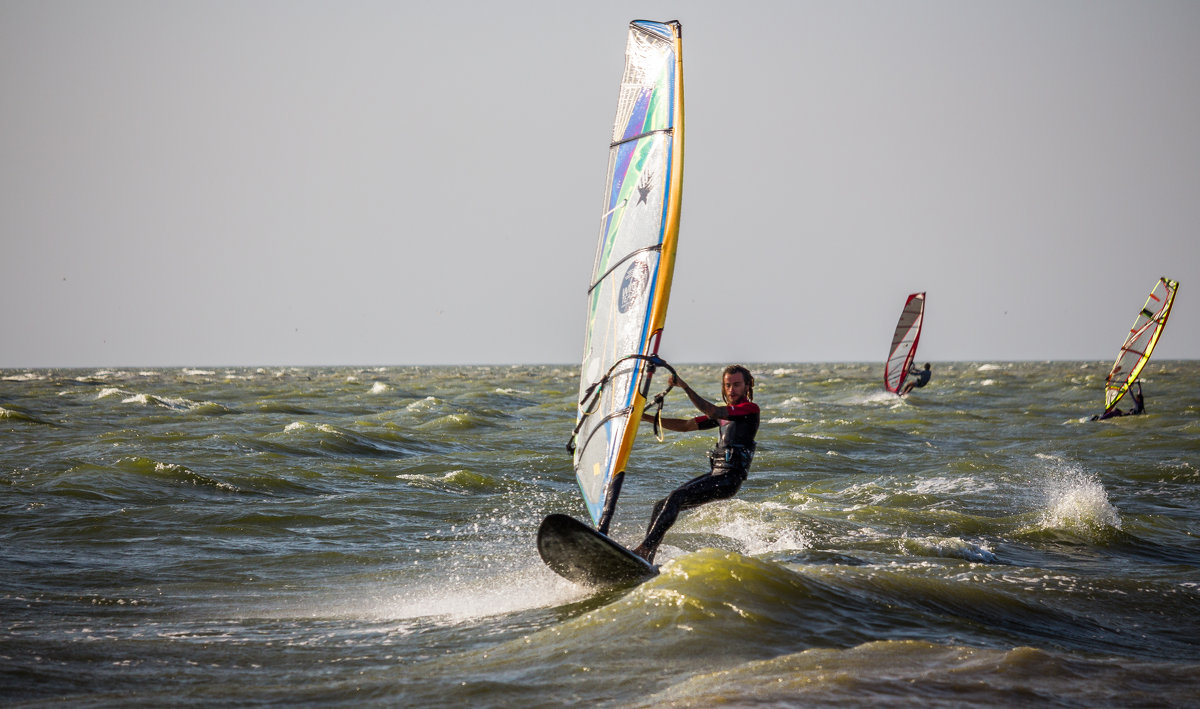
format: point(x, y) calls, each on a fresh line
point(904, 342)
point(631, 278)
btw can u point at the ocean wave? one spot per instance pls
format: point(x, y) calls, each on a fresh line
point(879, 396)
point(715, 601)
point(948, 547)
point(456, 422)
point(13, 414)
point(932, 675)
point(280, 407)
point(745, 527)
point(130, 478)
point(426, 404)
point(459, 482)
point(176, 472)
point(24, 377)
point(210, 408)
point(322, 439)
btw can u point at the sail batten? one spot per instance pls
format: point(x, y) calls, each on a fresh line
point(1139, 344)
point(635, 256)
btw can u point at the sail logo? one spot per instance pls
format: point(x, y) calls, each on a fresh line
point(633, 285)
point(644, 187)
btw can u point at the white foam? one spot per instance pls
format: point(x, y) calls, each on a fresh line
point(762, 528)
point(24, 377)
point(462, 598)
point(1076, 500)
point(422, 404)
point(956, 547)
point(955, 485)
point(881, 396)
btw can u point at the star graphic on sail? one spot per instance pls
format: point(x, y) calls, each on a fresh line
point(644, 187)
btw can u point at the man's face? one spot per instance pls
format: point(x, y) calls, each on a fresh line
point(733, 385)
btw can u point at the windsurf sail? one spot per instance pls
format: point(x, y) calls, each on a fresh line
point(1140, 342)
point(904, 342)
point(635, 259)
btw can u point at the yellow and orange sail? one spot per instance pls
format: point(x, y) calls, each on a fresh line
point(1139, 343)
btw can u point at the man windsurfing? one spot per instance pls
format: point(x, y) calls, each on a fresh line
point(1139, 406)
point(921, 378)
point(729, 460)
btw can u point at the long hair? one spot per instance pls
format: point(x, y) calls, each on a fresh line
point(746, 375)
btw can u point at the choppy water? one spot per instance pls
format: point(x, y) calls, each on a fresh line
point(346, 536)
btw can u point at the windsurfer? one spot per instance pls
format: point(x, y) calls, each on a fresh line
point(730, 460)
point(922, 378)
point(1139, 406)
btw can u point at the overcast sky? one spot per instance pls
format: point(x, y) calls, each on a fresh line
point(304, 183)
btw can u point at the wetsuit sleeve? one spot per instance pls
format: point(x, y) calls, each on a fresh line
point(746, 408)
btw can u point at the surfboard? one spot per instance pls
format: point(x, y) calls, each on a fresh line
point(582, 555)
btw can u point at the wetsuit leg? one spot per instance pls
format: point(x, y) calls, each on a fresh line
point(693, 493)
point(658, 506)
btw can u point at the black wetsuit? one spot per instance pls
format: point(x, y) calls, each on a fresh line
point(730, 461)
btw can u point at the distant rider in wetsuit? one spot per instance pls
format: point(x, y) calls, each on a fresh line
point(730, 459)
point(1139, 406)
point(922, 378)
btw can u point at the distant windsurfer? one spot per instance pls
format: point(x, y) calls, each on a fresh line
point(737, 422)
point(921, 378)
point(1139, 406)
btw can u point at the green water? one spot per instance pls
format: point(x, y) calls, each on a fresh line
point(349, 536)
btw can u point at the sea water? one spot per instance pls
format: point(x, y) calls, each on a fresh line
point(365, 536)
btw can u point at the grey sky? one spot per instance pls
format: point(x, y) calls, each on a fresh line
point(282, 182)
